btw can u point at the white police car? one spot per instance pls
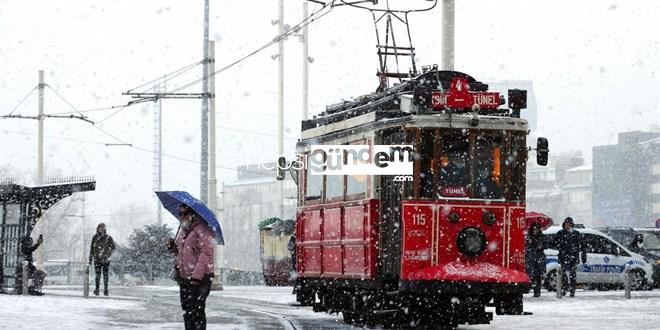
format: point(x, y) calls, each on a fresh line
point(606, 261)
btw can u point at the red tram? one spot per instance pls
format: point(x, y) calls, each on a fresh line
point(433, 251)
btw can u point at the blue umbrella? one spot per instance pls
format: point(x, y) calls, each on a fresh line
point(172, 199)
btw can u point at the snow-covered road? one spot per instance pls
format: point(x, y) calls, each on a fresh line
point(152, 307)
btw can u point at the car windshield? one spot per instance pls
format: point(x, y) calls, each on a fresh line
point(652, 241)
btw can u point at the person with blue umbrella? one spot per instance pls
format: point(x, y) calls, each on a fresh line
point(193, 248)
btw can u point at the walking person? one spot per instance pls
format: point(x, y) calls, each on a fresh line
point(100, 251)
point(535, 257)
point(36, 275)
point(571, 251)
point(195, 255)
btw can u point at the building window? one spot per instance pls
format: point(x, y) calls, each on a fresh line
point(655, 188)
point(656, 208)
point(655, 169)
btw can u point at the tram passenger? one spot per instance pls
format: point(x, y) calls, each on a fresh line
point(535, 257)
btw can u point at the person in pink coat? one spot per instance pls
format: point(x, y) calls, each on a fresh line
point(194, 252)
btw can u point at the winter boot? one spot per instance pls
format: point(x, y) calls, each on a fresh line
point(96, 292)
point(105, 292)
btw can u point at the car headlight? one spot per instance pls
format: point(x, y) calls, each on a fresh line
point(471, 241)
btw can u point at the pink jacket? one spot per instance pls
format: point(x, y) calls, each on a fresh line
point(196, 253)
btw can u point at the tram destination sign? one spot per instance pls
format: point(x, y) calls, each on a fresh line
point(485, 100)
point(460, 96)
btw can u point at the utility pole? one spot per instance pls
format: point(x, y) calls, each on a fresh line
point(158, 147)
point(204, 166)
point(305, 68)
point(40, 162)
point(213, 181)
point(280, 102)
point(448, 35)
point(40, 138)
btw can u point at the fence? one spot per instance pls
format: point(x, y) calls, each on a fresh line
point(71, 273)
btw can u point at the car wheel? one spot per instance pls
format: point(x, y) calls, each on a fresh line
point(551, 280)
point(637, 280)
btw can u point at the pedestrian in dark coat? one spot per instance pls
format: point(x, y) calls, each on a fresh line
point(37, 275)
point(637, 245)
point(195, 257)
point(535, 257)
point(571, 250)
point(100, 251)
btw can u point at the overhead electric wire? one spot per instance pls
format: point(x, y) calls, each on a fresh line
point(183, 69)
point(305, 22)
point(23, 100)
point(63, 99)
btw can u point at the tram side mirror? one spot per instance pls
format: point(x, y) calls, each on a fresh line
point(281, 168)
point(542, 151)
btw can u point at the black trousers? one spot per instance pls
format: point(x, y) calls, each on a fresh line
point(101, 268)
point(570, 269)
point(193, 302)
point(536, 279)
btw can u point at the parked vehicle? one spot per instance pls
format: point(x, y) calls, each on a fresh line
point(275, 256)
point(651, 249)
point(606, 262)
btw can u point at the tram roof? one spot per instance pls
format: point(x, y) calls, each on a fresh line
point(432, 99)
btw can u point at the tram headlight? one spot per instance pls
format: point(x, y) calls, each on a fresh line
point(471, 241)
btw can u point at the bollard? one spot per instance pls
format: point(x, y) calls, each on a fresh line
point(559, 281)
point(626, 281)
point(86, 280)
point(25, 278)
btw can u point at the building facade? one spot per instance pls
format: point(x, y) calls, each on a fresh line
point(626, 188)
point(245, 203)
point(561, 189)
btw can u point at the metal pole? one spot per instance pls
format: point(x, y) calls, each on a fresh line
point(305, 68)
point(626, 281)
point(158, 147)
point(213, 181)
point(25, 278)
point(40, 138)
point(280, 102)
point(204, 167)
point(86, 280)
point(40, 162)
point(83, 224)
point(559, 280)
point(448, 35)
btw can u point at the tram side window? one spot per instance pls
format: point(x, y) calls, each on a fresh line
point(427, 168)
point(516, 163)
point(313, 183)
point(454, 164)
point(488, 163)
point(334, 187)
point(356, 185)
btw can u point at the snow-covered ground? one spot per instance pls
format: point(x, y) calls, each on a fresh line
point(59, 312)
point(156, 307)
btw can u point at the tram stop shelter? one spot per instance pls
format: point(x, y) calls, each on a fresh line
point(20, 209)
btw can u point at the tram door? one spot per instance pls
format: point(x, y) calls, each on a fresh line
point(10, 235)
point(390, 192)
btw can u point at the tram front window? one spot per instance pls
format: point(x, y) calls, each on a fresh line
point(488, 166)
point(455, 165)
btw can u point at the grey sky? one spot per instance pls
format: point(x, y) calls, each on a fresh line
point(594, 66)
